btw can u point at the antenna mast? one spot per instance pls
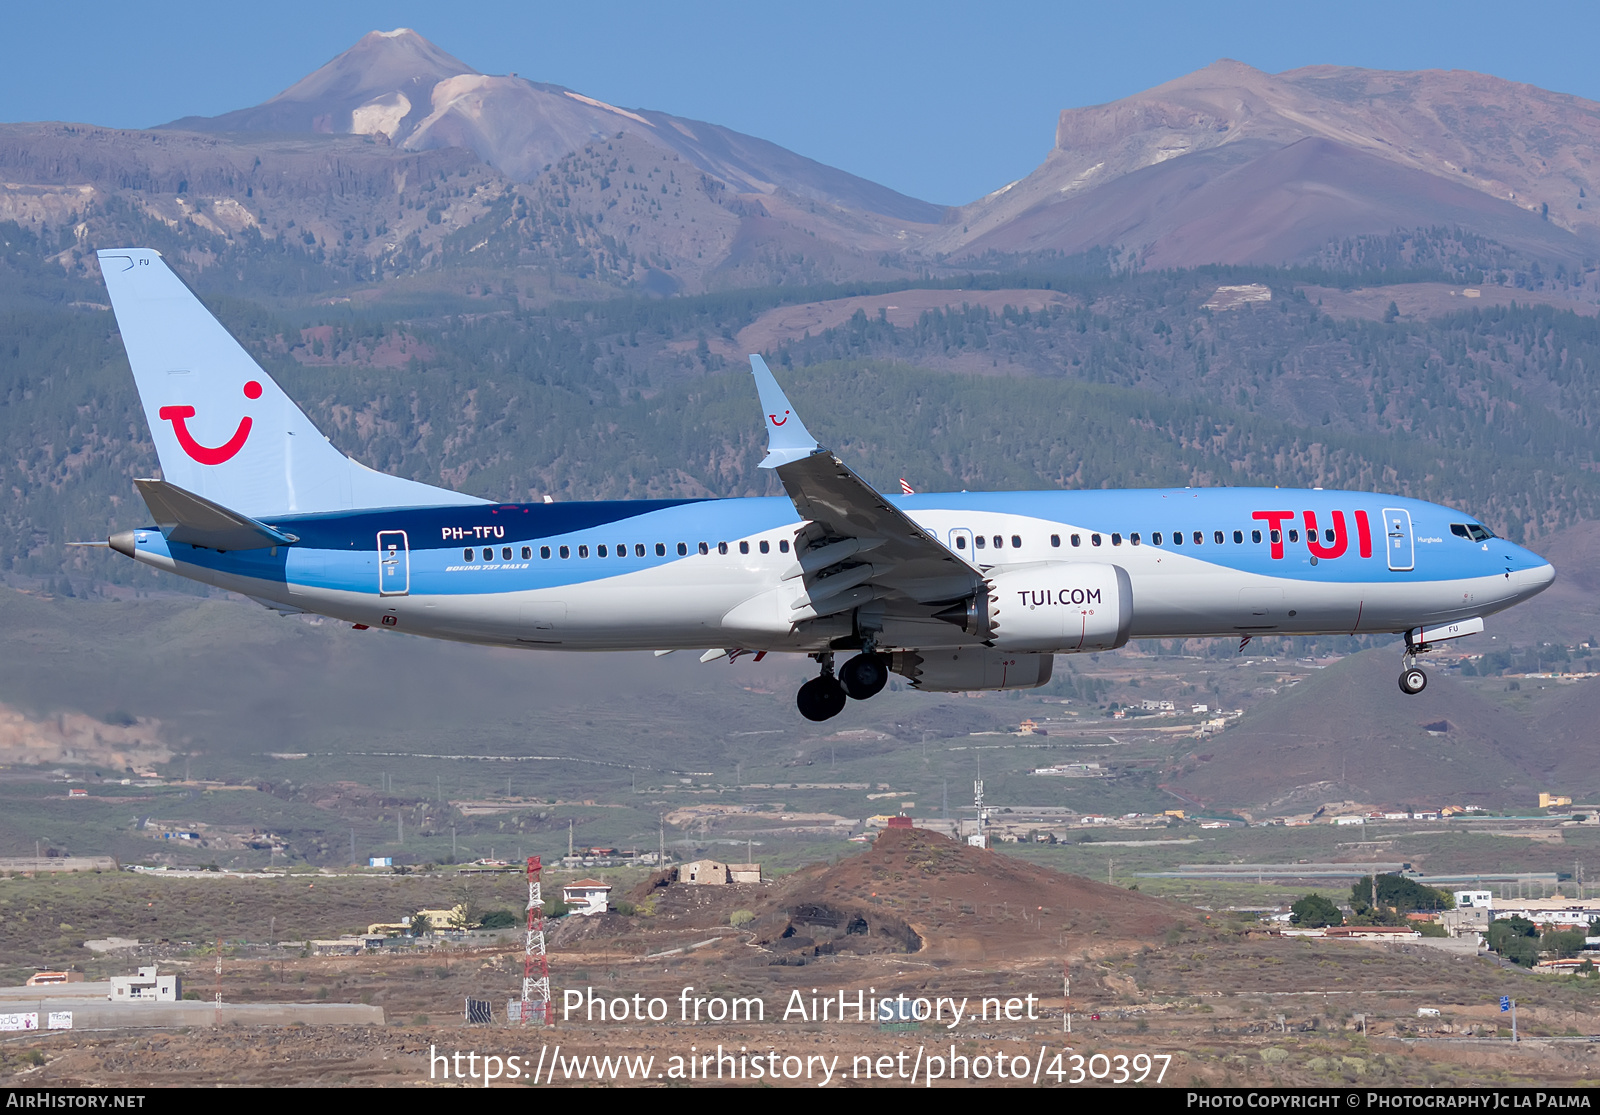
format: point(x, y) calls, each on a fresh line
point(535, 962)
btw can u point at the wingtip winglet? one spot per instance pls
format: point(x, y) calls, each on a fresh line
point(787, 437)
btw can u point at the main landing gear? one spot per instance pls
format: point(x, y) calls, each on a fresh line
point(1413, 679)
point(824, 696)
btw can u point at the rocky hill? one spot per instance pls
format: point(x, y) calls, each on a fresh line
point(1231, 165)
point(928, 894)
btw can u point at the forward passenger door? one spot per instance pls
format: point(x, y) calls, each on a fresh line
point(1400, 543)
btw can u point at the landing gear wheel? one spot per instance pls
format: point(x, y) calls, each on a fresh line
point(1413, 681)
point(864, 676)
point(821, 698)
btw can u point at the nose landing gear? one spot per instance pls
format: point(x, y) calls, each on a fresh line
point(824, 696)
point(1413, 679)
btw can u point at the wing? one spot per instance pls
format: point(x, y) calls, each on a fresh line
point(858, 547)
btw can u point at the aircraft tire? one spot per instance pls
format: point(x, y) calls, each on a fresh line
point(821, 699)
point(1413, 681)
point(864, 676)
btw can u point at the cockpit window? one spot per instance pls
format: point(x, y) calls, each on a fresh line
point(1471, 531)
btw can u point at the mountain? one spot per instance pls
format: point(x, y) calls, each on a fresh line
point(398, 85)
point(1329, 739)
point(1233, 165)
point(397, 159)
point(380, 86)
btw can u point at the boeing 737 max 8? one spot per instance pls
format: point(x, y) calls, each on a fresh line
point(954, 591)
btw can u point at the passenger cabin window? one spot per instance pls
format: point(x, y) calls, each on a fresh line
point(1094, 540)
point(600, 550)
point(1016, 541)
point(1255, 536)
point(544, 553)
point(1134, 538)
point(683, 548)
point(999, 542)
point(1294, 536)
point(1077, 540)
point(622, 550)
point(1155, 538)
point(583, 551)
point(766, 547)
point(1116, 539)
point(1238, 538)
point(467, 555)
point(488, 553)
point(1055, 540)
point(978, 541)
point(1216, 536)
point(527, 552)
point(566, 552)
point(1177, 538)
point(961, 542)
point(1277, 536)
point(661, 549)
point(744, 547)
point(1199, 537)
point(505, 554)
point(783, 546)
point(705, 547)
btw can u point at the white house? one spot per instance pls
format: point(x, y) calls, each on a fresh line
point(587, 896)
point(146, 987)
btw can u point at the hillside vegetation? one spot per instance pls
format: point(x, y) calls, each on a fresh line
point(1124, 380)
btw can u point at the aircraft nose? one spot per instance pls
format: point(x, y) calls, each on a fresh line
point(1534, 579)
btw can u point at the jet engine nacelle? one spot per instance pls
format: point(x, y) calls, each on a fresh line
point(1059, 606)
point(963, 669)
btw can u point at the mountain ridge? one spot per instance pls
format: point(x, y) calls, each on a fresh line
point(401, 87)
point(1515, 145)
point(1228, 165)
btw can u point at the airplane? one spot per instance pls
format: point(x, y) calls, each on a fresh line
point(954, 591)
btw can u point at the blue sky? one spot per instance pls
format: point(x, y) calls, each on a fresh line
point(944, 101)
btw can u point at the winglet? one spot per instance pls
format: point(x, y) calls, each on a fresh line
point(787, 437)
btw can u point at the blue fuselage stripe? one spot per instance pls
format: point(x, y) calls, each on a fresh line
point(340, 551)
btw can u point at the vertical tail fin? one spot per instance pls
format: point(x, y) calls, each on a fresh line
point(222, 428)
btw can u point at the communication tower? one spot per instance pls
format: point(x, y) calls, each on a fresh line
point(535, 963)
point(979, 839)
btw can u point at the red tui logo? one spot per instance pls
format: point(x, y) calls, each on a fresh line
point(205, 454)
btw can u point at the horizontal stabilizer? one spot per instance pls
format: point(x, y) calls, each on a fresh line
point(196, 521)
point(279, 607)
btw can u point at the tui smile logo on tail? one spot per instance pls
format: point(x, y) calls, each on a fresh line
point(205, 454)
